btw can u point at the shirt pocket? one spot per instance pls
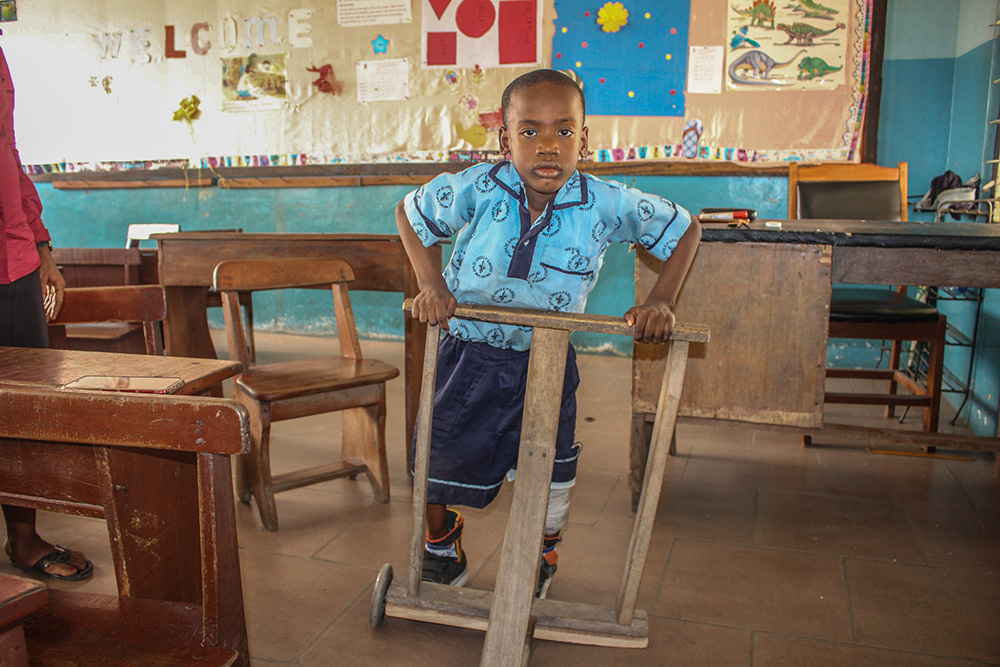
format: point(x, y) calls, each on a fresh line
point(569, 262)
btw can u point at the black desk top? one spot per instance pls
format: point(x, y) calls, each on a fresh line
point(871, 233)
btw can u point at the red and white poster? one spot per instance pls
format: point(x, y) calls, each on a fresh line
point(488, 33)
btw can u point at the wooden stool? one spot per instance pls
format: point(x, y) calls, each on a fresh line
point(511, 615)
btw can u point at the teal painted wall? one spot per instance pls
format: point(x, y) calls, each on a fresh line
point(69, 214)
point(937, 101)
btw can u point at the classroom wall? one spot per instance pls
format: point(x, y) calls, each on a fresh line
point(936, 102)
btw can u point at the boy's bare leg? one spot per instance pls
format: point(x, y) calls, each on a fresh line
point(437, 520)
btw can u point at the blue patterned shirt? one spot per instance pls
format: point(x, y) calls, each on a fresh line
point(502, 258)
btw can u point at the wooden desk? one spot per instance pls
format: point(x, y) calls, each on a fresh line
point(765, 293)
point(51, 369)
point(156, 468)
point(187, 260)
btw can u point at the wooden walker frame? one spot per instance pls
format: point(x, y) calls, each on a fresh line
point(511, 615)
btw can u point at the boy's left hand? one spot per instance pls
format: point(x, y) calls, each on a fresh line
point(653, 321)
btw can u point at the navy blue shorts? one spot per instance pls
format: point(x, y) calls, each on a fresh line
point(478, 407)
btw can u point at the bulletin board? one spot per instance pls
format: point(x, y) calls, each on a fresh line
point(120, 84)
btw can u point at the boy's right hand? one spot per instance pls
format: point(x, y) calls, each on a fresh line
point(434, 305)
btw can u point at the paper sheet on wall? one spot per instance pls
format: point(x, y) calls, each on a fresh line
point(488, 33)
point(383, 80)
point(372, 12)
point(705, 69)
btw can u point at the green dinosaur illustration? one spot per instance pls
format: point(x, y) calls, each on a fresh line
point(812, 66)
point(814, 10)
point(803, 34)
point(759, 12)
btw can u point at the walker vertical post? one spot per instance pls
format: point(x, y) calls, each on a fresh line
point(422, 457)
point(663, 431)
point(508, 632)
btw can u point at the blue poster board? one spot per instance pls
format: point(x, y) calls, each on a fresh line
point(638, 69)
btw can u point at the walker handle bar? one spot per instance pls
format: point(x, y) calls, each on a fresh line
point(550, 319)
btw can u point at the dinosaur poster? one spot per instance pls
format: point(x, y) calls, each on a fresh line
point(787, 44)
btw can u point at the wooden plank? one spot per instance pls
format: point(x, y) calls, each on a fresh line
point(517, 576)
point(189, 259)
point(916, 266)
point(291, 182)
point(738, 376)
point(663, 432)
point(886, 436)
point(875, 399)
point(223, 617)
point(406, 179)
point(548, 319)
point(555, 620)
point(44, 475)
point(109, 418)
point(152, 522)
point(92, 184)
point(421, 464)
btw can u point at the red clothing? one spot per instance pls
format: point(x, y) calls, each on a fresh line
point(21, 225)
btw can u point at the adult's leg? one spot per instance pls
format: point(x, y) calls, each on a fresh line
point(22, 324)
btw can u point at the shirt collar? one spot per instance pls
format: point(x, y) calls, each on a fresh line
point(574, 192)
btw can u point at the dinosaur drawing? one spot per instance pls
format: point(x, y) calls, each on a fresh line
point(741, 39)
point(811, 66)
point(760, 65)
point(813, 10)
point(759, 12)
point(803, 34)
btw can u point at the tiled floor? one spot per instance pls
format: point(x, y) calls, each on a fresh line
point(764, 553)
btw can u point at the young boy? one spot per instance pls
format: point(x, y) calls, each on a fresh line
point(530, 232)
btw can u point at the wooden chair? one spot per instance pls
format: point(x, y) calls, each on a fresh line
point(106, 267)
point(867, 191)
point(93, 306)
point(142, 231)
point(156, 469)
point(304, 387)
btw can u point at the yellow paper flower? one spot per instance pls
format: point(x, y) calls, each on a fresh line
point(612, 16)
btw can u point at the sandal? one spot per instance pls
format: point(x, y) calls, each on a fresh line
point(59, 556)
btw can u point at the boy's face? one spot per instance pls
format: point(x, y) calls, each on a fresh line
point(545, 137)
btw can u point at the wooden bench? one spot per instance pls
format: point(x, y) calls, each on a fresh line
point(105, 267)
point(157, 469)
point(19, 597)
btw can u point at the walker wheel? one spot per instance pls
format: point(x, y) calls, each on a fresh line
point(378, 595)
